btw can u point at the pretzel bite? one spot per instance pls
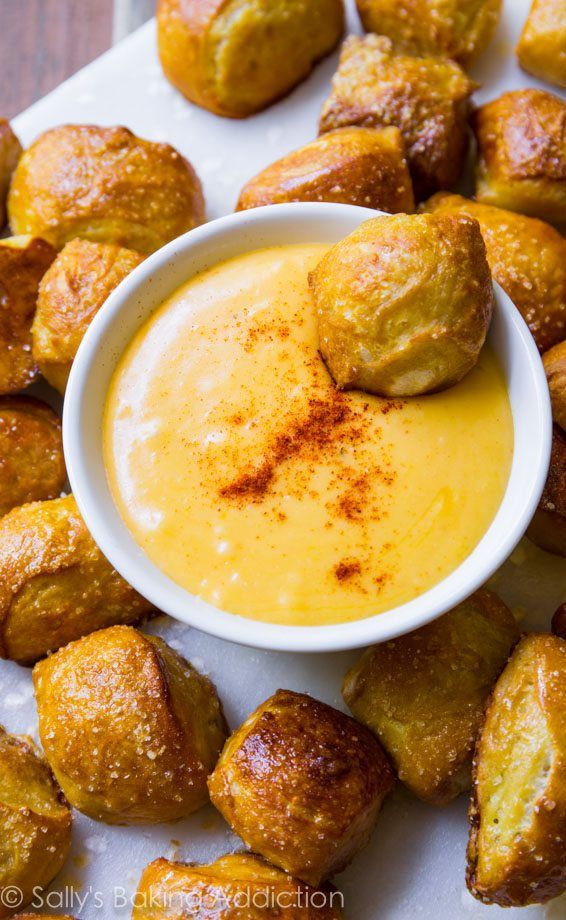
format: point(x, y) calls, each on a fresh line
point(104, 185)
point(522, 154)
point(527, 258)
point(71, 293)
point(55, 584)
point(425, 97)
point(424, 693)
point(235, 57)
point(10, 153)
point(237, 886)
point(35, 822)
point(542, 45)
point(295, 749)
point(360, 166)
point(404, 303)
point(518, 808)
point(558, 624)
point(32, 466)
point(130, 728)
point(554, 362)
point(458, 29)
point(548, 527)
point(23, 262)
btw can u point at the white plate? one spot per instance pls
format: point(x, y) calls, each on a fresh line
point(414, 865)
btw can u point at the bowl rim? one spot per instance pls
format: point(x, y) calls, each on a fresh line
point(82, 412)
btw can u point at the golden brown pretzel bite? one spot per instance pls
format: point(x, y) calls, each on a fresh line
point(362, 166)
point(10, 153)
point(527, 258)
point(55, 584)
point(240, 886)
point(404, 303)
point(542, 45)
point(424, 693)
point(235, 57)
point(105, 185)
point(554, 362)
point(35, 822)
point(458, 29)
point(425, 97)
point(71, 293)
point(548, 526)
point(521, 139)
point(23, 262)
point(32, 466)
point(130, 728)
point(302, 784)
point(518, 808)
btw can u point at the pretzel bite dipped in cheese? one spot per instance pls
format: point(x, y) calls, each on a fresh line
point(32, 466)
point(521, 139)
point(235, 886)
point(424, 694)
point(518, 808)
point(235, 57)
point(296, 749)
point(130, 728)
point(404, 304)
point(10, 153)
point(361, 166)
point(457, 29)
point(542, 45)
point(23, 262)
point(527, 257)
point(554, 361)
point(55, 584)
point(427, 98)
point(35, 823)
point(71, 293)
point(548, 526)
point(105, 185)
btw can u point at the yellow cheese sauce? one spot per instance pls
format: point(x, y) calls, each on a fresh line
point(252, 482)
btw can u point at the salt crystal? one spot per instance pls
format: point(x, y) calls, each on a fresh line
point(96, 844)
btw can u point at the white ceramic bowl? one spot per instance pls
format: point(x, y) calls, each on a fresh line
point(133, 302)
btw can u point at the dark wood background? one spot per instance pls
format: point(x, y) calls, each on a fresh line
point(42, 42)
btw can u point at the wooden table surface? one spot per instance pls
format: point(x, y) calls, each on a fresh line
point(42, 42)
